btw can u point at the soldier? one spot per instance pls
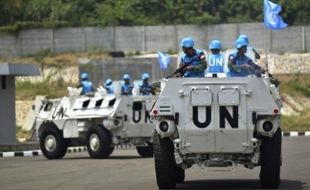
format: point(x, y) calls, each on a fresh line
point(144, 87)
point(108, 86)
point(127, 87)
point(193, 60)
point(215, 60)
point(249, 48)
point(241, 65)
point(85, 84)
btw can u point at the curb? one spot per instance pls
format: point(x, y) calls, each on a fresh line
point(21, 153)
point(296, 134)
point(39, 152)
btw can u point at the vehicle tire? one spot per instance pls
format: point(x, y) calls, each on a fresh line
point(52, 143)
point(146, 151)
point(165, 167)
point(271, 161)
point(180, 174)
point(99, 142)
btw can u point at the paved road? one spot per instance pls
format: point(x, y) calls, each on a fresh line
point(126, 170)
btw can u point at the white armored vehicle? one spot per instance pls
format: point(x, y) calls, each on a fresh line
point(217, 123)
point(100, 122)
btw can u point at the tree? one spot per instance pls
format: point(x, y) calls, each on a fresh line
point(145, 12)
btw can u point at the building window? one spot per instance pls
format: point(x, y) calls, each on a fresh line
point(3, 82)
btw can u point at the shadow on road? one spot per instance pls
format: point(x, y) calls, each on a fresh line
point(236, 184)
point(109, 158)
point(124, 157)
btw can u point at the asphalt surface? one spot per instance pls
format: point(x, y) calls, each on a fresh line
point(126, 170)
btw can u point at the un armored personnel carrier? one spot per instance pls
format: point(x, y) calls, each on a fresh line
point(217, 123)
point(100, 122)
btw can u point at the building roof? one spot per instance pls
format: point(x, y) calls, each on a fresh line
point(18, 69)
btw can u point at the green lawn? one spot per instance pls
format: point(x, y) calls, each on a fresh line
point(297, 86)
point(28, 90)
point(297, 123)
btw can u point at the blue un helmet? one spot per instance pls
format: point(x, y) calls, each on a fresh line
point(108, 82)
point(187, 42)
point(215, 44)
point(126, 77)
point(145, 76)
point(245, 37)
point(240, 42)
point(84, 76)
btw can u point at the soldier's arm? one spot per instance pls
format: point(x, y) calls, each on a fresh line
point(181, 63)
point(203, 63)
point(232, 63)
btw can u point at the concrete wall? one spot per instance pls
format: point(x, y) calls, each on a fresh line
point(32, 41)
point(98, 38)
point(100, 70)
point(152, 38)
point(306, 44)
point(160, 38)
point(7, 110)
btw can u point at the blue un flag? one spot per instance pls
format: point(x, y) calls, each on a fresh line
point(272, 19)
point(164, 60)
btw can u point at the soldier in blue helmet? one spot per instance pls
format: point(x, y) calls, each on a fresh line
point(87, 86)
point(249, 48)
point(216, 59)
point(127, 87)
point(241, 65)
point(144, 87)
point(108, 86)
point(193, 60)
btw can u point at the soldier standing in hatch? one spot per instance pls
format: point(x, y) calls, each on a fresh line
point(144, 87)
point(127, 87)
point(241, 65)
point(215, 59)
point(108, 86)
point(193, 60)
point(87, 85)
point(249, 48)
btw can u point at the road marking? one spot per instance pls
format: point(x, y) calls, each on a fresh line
point(39, 152)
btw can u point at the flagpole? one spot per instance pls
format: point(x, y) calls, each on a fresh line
point(266, 51)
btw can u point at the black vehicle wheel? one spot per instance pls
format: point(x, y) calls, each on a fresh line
point(165, 166)
point(52, 143)
point(146, 151)
point(99, 142)
point(180, 174)
point(271, 161)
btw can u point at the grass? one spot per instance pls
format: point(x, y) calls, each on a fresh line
point(300, 122)
point(295, 84)
point(28, 90)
